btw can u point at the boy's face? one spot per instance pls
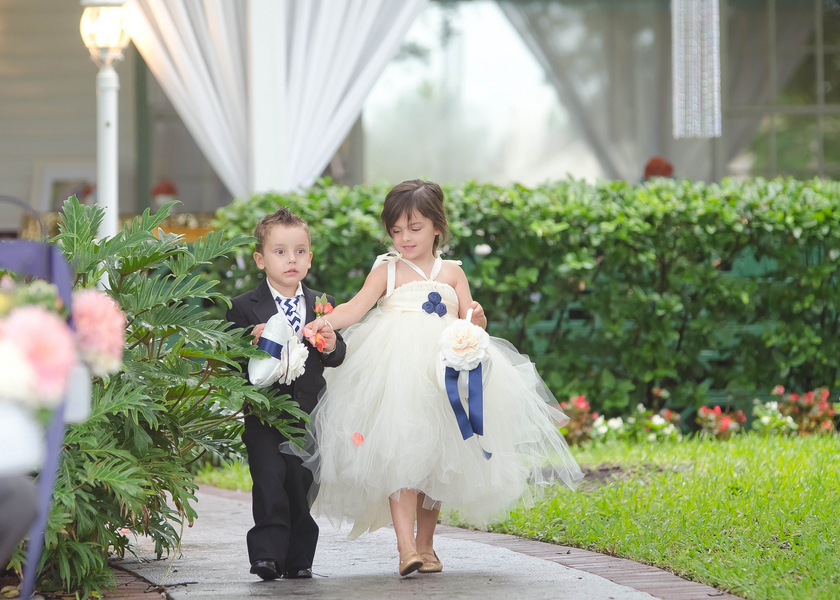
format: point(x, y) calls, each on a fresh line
point(286, 257)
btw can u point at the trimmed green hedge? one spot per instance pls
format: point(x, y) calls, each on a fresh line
point(618, 291)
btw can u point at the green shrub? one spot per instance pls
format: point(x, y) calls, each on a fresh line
point(178, 397)
point(617, 290)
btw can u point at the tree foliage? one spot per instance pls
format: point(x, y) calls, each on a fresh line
point(617, 290)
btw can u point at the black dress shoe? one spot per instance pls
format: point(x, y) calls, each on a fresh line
point(266, 569)
point(298, 574)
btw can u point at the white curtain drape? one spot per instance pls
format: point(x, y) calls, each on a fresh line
point(610, 64)
point(197, 50)
point(335, 51)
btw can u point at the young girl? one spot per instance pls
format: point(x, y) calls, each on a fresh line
point(389, 442)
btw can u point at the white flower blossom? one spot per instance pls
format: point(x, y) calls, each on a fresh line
point(640, 407)
point(615, 423)
point(602, 429)
point(297, 355)
point(464, 345)
point(651, 437)
point(17, 375)
point(657, 420)
point(765, 420)
point(483, 249)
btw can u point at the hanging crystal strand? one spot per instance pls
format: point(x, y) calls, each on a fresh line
point(695, 29)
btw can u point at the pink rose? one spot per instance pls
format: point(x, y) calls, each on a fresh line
point(47, 344)
point(100, 331)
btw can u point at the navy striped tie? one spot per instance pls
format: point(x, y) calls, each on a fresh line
point(290, 307)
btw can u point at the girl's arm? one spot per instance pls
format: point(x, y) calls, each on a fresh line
point(354, 309)
point(465, 301)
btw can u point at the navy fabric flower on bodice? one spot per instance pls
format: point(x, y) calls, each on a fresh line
point(434, 305)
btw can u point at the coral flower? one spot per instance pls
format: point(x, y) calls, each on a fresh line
point(357, 439)
point(778, 390)
point(100, 331)
point(317, 340)
point(46, 342)
point(581, 402)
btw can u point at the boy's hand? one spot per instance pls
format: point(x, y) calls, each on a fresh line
point(257, 332)
point(478, 317)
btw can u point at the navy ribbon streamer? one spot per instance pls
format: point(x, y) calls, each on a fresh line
point(273, 348)
point(474, 423)
point(43, 261)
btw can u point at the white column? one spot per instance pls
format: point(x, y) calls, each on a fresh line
point(107, 159)
point(267, 77)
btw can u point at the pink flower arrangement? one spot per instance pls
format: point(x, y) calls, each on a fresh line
point(100, 331)
point(44, 340)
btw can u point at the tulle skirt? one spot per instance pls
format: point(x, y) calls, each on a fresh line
point(384, 424)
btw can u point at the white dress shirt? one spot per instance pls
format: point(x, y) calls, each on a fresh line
point(301, 305)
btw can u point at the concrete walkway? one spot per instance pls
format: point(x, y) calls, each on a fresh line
point(214, 563)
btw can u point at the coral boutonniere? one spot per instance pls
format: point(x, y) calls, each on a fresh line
point(322, 306)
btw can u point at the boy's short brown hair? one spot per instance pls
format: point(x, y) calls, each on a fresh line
point(283, 217)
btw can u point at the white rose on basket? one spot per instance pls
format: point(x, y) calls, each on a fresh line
point(464, 345)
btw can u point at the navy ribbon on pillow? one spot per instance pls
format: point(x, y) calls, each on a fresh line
point(273, 348)
point(474, 423)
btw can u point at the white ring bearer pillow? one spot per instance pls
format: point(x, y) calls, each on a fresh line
point(287, 358)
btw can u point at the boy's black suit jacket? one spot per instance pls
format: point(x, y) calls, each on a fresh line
point(258, 306)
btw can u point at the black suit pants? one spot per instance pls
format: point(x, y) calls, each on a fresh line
point(284, 530)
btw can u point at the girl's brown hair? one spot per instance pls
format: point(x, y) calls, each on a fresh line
point(416, 195)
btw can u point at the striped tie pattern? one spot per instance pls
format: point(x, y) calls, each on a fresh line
point(290, 306)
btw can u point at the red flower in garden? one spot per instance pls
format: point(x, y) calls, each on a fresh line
point(778, 390)
point(725, 422)
point(741, 416)
point(808, 397)
point(794, 397)
point(581, 402)
point(717, 410)
point(825, 394)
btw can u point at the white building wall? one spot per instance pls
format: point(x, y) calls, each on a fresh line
point(48, 101)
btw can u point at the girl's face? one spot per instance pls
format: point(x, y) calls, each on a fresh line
point(414, 236)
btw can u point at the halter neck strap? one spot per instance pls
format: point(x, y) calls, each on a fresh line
point(392, 257)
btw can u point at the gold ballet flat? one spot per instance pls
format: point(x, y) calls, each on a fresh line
point(410, 564)
point(431, 563)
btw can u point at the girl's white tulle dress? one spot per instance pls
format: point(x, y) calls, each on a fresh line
point(385, 424)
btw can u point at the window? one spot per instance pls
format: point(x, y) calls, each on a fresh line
point(784, 87)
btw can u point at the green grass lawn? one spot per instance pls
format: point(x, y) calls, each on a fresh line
point(759, 517)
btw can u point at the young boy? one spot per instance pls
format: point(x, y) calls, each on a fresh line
point(283, 539)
